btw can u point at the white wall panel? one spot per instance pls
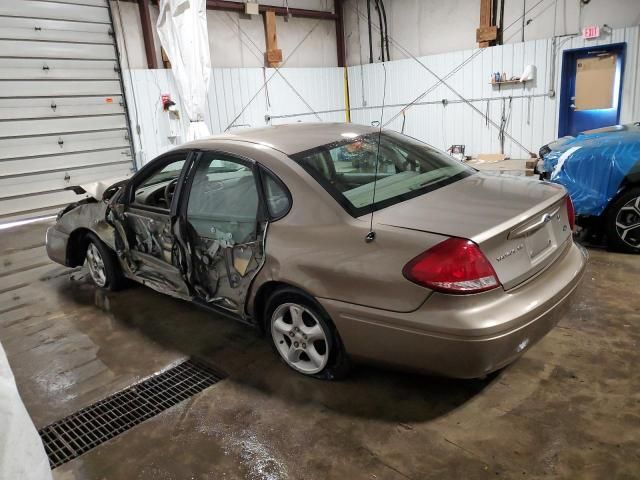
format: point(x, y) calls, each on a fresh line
point(532, 119)
point(230, 95)
point(427, 27)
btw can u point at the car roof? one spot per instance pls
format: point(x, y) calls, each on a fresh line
point(289, 138)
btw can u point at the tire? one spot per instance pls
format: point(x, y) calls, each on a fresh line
point(102, 263)
point(290, 333)
point(624, 211)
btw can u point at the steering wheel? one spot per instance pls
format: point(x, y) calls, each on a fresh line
point(169, 190)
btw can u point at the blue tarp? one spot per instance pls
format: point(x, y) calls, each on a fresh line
point(592, 166)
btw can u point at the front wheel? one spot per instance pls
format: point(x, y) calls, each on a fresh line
point(304, 336)
point(102, 264)
point(623, 222)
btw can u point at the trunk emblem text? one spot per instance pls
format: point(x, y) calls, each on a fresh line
point(508, 253)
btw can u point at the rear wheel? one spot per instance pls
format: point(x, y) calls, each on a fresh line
point(102, 264)
point(304, 336)
point(623, 222)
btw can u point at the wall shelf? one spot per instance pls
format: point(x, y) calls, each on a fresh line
point(507, 82)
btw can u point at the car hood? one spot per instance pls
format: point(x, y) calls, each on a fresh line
point(475, 207)
point(97, 189)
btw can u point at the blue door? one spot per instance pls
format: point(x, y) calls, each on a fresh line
point(591, 88)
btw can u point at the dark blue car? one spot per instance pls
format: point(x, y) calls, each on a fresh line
point(601, 170)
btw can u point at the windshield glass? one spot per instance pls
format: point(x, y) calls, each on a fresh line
point(406, 168)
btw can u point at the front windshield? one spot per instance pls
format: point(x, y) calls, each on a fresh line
point(406, 168)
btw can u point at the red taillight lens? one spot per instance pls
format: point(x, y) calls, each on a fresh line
point(453, 266)
point(571, 213)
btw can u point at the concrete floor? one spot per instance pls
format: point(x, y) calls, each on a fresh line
point(570, 408)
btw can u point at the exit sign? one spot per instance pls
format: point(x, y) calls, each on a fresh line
point(592, 31)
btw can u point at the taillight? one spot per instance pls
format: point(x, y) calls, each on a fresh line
point(453, 266)
point(571, 213)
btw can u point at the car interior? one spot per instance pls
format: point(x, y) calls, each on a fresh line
point(223, 201)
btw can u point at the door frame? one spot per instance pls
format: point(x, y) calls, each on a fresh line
point(568, 74)
point(125, 203)
point(127, 198)
point(198, 156)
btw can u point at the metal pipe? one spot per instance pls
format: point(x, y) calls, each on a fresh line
point(369, 24)
point(381, 30)
point(395, 105)
point(502, 21)
point(281, 11)
point(524, 13)
point(386, 29)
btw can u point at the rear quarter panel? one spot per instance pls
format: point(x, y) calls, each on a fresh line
point(321, 249)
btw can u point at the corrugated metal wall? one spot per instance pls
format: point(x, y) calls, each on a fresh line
point(533, 117)
point(231, 89)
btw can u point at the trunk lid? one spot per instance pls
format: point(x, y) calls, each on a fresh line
point(521, 225)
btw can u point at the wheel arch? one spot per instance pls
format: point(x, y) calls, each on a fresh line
point(77, 246)
point(630, 180)
point(266, 291)
point(78, 243)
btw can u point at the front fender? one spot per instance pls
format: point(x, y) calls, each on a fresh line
point(89, 216)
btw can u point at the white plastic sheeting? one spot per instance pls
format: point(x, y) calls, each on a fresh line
point(22, 455)
point(182, 28)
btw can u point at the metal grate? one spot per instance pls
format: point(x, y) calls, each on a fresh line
point(78, 433)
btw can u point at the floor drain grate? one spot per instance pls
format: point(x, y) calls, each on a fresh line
point(78, 433)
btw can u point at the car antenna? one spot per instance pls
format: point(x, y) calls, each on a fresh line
point(371, 235)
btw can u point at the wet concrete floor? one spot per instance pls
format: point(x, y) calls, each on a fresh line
point(570, 408)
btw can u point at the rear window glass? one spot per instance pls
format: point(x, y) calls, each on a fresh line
point(406, 168)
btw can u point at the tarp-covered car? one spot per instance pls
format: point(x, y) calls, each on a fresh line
point(601, 170)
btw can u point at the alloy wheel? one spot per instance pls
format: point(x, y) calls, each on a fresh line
point(628, 223)
point(96, 265)
point(300, 338)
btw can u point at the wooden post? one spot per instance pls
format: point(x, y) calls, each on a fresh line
point(147, 33)
point(486, 34)
point(273, 56)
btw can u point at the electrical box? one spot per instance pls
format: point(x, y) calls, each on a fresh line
point(251, 8)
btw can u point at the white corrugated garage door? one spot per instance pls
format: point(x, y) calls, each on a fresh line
point(62, 110)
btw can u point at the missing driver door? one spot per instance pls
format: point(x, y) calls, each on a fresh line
point(224, 230)
point(146, 226)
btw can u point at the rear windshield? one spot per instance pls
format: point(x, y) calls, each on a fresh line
point(406, 168)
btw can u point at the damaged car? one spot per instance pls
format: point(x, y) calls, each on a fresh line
point(601, 171)
point(424, 264)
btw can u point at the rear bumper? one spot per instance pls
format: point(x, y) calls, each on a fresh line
point(56, 244)
point(463, 336)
